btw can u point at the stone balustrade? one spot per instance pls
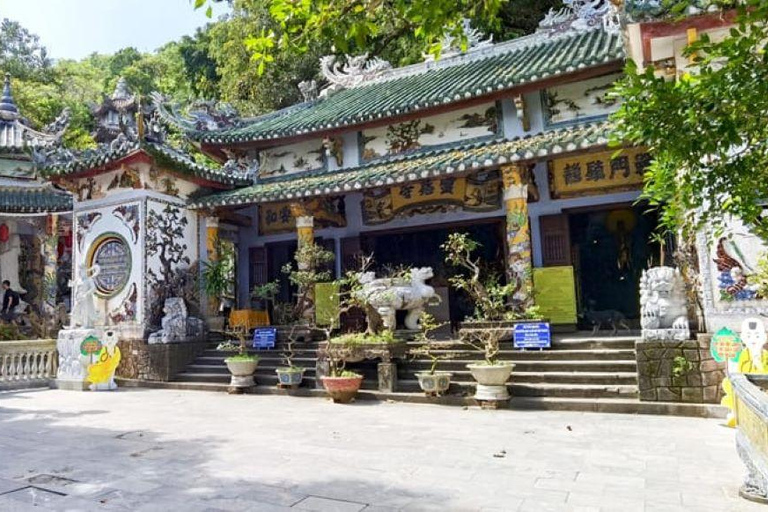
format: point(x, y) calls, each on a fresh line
point(27, 363)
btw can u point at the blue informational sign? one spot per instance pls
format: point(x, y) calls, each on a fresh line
point(533, 335)
point(264, 337)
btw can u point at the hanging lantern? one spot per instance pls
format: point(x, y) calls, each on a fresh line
point(5, 233)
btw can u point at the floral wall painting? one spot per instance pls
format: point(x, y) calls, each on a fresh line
point(458, 126)
point(292, 158)
point(578, 101)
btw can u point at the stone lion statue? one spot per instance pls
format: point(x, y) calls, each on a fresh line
point(387, 296)
point(176, 324)
point(663, 309)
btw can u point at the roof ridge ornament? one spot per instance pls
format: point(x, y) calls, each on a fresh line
point(582, 15)
point(450, 45)
point(355, 71)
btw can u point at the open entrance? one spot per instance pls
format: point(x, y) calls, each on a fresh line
point(420, 247)
point(610, 248)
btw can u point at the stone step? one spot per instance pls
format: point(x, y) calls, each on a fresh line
point(219, 359)
point(594, 343)
point(576, 366)
point(466, 388)
point(546, 355)
point(601, 405)
point(617, 378)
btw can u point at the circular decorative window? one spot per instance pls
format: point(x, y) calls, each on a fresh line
point(113, 256)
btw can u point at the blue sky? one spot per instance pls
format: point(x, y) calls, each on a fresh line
point(73, 29)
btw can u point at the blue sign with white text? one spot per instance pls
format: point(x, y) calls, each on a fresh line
point(532, 335)
point(264, 337)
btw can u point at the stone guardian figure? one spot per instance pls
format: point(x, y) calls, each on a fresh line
point(663, 309)
point(84, 313)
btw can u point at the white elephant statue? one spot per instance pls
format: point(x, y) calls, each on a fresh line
point(387, 296)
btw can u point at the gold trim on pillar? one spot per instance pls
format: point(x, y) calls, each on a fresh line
point(519, 266)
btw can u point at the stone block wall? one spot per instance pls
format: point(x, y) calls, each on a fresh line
point(162, 362)
point(699, 382)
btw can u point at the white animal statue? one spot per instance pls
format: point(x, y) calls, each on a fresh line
point(84, 312)
point(387, 296)
point(663, 311)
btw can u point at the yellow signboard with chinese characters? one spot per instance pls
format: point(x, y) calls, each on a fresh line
point(277, 217)
point(554, 292)
point(478, 192)
point(598, 173)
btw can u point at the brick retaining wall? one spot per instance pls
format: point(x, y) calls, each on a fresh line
point(162, 362)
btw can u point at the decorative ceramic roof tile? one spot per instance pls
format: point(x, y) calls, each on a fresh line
point(414, 88)
point(63, 162)
point(34, 200)
point(414, 166)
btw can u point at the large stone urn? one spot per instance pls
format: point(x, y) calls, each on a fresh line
point(242, 371)
point(491, 380)
point(751, 414)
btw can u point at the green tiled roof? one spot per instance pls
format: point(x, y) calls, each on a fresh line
point(33, 200)
point(525, 62)
point(72, 163)
point(416, 166)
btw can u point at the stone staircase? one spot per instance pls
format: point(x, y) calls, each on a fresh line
point(208, 371)
point(574, 368)
point(579, 373)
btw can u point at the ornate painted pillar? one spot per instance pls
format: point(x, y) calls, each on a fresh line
point(519, 266)
point(212, 254)
point(305, 232)
point(50, 260)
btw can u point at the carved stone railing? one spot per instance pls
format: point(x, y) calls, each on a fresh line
point(27, 363)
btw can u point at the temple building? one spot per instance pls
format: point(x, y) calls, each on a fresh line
point(507, 141)
point(35, 225)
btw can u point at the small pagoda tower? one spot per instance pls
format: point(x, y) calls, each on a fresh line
point(116, 114)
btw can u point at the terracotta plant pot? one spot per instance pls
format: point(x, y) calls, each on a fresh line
point(290, 377)
point(242, 372)
point(434, 384)
point(342, 389)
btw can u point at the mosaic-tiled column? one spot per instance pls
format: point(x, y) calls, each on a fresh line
point(212, 249)
point(519, 267)
point(305, 231)
point(50, 260)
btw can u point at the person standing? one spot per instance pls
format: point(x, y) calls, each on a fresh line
point(11, 300)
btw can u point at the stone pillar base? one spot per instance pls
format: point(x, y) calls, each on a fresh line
point(387, 377)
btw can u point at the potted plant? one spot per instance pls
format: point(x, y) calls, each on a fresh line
point(491, 374)
point(341, 385)
point(218, 276)
point(242, 365)
point(495, 304)
point(265, 295)
point(290, 376)
point(311, 260)
point(433, 382)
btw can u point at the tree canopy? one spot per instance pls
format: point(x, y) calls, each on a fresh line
point(707, 129)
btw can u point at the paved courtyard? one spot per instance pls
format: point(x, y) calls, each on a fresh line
point(162, 450)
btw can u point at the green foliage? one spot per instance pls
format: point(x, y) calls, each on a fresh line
point(385, 337)
point(266, 291)
point(681, 366)
point(491, 298)
point(219, 274)
point(706, 130)
point(430, 348)
point(310, 259)
point(10, 332)
point(243, 357)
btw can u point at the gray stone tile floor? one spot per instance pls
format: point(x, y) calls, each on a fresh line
point(164, 450)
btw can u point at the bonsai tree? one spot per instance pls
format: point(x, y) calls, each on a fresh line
point(487, 341)
point(310, 259)
point(218, 274)
point(267, 293)
point(240, 334)
point(491, 298)
point(431, 348)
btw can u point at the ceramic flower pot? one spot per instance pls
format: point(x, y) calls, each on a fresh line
point(491, 380)
point(434, 384)
point(242, 372)
point(342, 389)
point(290, 377)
